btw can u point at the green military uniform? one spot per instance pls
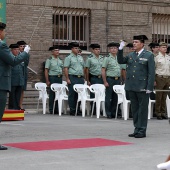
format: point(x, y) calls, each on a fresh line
point(94, 64)
point(55, 69)
point(140, 75)
point(17, 82)
point(113, 73)
point(75, 65)
point(6, 61)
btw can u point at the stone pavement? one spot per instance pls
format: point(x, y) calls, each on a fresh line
point(142, 154)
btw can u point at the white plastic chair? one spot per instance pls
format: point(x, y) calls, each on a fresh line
point(83, 96)
point(150, 108)
point(60, 95)
point(119, 90)
point(168, 106)
point(99, 91)
point(43, 96)
point(64, 82)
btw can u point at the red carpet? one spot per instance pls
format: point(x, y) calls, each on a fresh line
point(66, 144)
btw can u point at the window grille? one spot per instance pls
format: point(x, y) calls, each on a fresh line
point(71, 25)
point(161, 28)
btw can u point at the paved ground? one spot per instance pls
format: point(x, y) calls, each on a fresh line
point(142, 154)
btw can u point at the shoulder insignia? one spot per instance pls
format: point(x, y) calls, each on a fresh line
point(90, 55)
point(50, 58)
point(68, 55)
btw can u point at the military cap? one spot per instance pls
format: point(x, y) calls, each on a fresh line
point(94, 46)
point(21, 43)
point(73, 44)
point(142, 38)
point(130, 45)
point(163, 44)
point(2, 25)
point(54, 47)
point(153, 44)
point(14, 46)
point(80, 50)
point(113, 44)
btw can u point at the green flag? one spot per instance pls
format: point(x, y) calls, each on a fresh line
point(3, 11)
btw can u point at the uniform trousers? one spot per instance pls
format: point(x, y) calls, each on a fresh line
point(14, 97)
point(3, 98)
point(160, 105)
point(73, 96)
point(111, 97)
point(53, 79)
point(139, 106)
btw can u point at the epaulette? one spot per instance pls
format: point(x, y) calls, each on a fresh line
point(101, 56)
point(50, 58)
point(149, 51)
point(67, 55)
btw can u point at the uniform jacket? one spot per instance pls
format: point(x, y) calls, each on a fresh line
point(140, 72)
point(6, 61)
point(17, 75)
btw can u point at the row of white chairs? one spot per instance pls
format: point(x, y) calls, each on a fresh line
point(83, 91)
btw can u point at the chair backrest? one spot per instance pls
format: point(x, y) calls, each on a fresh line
point(41, 87)
point(64, 82)
point(59, 88)
point(99, 90)
point(82, 89)
point(120, 91)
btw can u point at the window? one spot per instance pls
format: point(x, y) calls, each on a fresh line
point(161, 28)
point(71, 25)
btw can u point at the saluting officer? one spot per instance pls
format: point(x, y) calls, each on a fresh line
point(6, 61)
point(17, 81)
point(139, 82)
point(53, 74)
point(111, 72)
point(74, 72)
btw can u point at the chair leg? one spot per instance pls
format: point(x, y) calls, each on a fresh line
point(44, 106)
point(116, 111)
point(38, 105)
point(83, 105)
point(98, 109)
point(65, 106)
point(149, 110)
point(92, 109)
point(54, 106)
point(60, 106)
point(104, 111)
point(88, 108)
point(76, 108)
point(125, 111)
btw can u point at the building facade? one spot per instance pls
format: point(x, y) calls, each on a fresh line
point(42, 23)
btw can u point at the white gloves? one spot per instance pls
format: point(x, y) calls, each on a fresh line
point(27, 48)
point(122, 44)
point(148, 91)
point(165, 166)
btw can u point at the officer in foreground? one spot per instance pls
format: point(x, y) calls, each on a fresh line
point(6, 61)
point(139, 82)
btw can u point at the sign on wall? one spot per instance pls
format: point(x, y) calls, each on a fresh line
point(3, 11)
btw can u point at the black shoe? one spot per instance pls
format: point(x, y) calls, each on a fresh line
point(164, 117)
point(132, 135)
point(72, 114)
point(3, 147)
point(110, 117)
point(79, 113)
point(140, 135)
point(159, 117)
point(56, 113)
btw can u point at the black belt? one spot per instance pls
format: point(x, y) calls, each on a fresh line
point(56, 75)
point(79, 76)
point(115, 78)
point(99, 76)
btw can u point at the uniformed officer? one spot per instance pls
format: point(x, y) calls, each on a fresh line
point(94, 65)
point(74, 72)
point(6, 61)
point(162, 68)
point(154, 48)
point(139, 82)
point(111, 72)
point(53, 74)
point(17, 81)
point(22, 45)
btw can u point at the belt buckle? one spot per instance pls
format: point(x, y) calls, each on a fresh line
point(59, 76)
point(116, 78)
point(78, 76)
point(99, 76)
